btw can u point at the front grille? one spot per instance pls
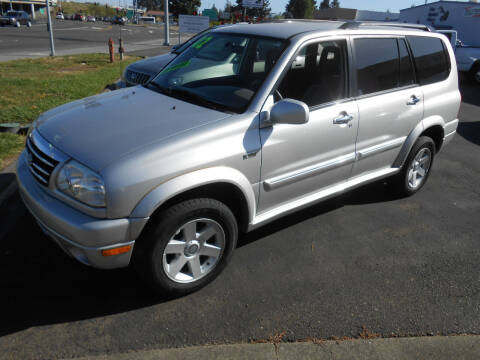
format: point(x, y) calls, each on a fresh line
point(135, 77)
point(40, 164)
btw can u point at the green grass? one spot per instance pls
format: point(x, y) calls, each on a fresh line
point(33, 86)
point(10, 146)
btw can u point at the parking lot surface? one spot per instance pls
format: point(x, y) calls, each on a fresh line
point(75, 37)
point(397, 267)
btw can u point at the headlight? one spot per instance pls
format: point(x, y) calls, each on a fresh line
point(82, 184)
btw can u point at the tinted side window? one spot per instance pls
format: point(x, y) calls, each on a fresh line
point(431, 60)
point(377, 65)
point(318, 75)
point(406, 76)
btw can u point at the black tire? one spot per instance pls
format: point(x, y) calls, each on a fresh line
point(29, 24)
point(401, 181)
point(148, 257)
point(475, 74)
point(17, 24)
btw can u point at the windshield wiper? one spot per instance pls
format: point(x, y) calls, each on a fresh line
point(189, 96)
point(197, 99)
point(159, 88)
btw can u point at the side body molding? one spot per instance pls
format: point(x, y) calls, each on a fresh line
point(185, 182)
point(414, 135)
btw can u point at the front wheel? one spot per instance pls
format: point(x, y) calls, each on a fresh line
point(29, 24)
point(17, 24)
point(186, 246)
point(416, 169)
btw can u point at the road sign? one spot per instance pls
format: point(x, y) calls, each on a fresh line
point(211, 13)
point(252, 3)
point(192, 24)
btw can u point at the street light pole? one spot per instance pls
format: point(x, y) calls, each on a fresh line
point(167, 34)
point(50, 29)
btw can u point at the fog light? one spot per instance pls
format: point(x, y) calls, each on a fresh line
point(117, 251)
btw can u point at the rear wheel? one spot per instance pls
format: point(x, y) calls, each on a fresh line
point(416, 169)
point(186, 246)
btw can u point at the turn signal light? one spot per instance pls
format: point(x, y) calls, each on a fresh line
point(117, 251)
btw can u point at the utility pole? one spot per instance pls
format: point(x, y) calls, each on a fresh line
point(167, 34)
point(50, 29)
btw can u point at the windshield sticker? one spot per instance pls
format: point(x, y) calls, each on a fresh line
point(176, 67)
point(202, 41)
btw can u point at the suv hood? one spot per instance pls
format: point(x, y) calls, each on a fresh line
point(101, 129)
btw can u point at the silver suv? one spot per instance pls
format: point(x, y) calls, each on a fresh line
point(251, 122)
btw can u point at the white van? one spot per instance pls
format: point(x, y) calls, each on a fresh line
point(147, 19)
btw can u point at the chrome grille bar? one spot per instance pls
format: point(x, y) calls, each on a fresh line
point(30, 147)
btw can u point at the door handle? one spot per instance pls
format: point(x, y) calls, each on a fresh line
point(344, 118)
point(413, 100)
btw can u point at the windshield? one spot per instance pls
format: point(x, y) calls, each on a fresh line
point(221, 71)
point(12, 13)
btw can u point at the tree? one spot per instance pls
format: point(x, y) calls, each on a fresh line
point(254, 12)
point(335, 4)
point(176, 7)
point(325, 4)
point(151, 4)
point(183, 7)
point(301, 9)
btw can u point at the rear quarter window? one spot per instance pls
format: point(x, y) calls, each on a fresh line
point(431, 59)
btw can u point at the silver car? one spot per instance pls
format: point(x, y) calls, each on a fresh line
point(249, 123)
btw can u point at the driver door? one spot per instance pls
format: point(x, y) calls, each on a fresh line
point(304, 162)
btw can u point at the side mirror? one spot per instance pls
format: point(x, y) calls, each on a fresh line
point(289, 111)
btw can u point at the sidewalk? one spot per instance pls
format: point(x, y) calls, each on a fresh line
point(436, 347)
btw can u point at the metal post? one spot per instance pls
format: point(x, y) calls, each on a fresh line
point(50, 29)
point(11, 6)
point(167, 34)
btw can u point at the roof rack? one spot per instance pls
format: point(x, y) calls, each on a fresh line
point(358, 24)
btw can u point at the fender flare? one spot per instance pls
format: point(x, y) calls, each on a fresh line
point(414, 135)
point(177, 185)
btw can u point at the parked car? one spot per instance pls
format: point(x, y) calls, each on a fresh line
point(468, 57)
point(120, 20)
point(91, 19)
point(79, 17)
point(230, 136)
point(140, 72)
point(16, 18)
point(60, 16)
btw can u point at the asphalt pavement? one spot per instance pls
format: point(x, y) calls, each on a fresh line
point(365, 262)
point(75, 37)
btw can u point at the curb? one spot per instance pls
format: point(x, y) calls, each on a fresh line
point(435, 347)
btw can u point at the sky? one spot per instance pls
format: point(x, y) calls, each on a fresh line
point(278, 6)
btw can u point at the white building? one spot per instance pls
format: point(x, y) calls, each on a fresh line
point(456, 15)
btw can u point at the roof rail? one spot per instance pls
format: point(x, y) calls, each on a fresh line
point(357, 24)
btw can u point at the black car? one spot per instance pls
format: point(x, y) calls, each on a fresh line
point(16, 18)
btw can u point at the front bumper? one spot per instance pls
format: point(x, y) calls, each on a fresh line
point(81, 236)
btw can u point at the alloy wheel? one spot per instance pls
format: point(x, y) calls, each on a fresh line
point(419, 168)
point(194, 250)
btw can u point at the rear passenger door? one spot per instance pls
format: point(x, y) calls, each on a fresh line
point(390, 102)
